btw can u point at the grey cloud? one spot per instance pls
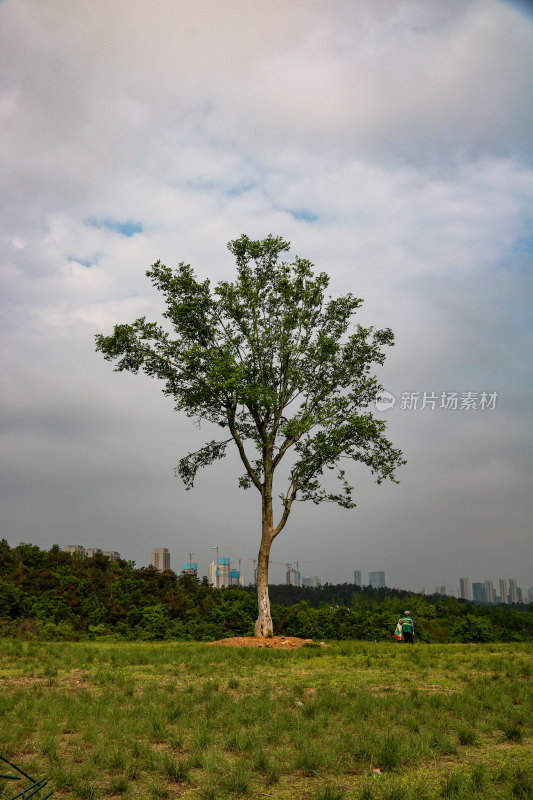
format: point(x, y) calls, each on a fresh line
point(403, 129)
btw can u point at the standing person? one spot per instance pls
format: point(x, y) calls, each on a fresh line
point(408, 627)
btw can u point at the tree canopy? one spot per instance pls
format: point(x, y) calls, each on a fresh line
point(274, 362)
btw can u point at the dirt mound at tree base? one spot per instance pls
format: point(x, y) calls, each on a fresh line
point(275, 642)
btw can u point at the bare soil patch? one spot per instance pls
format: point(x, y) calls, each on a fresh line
point(274, 642)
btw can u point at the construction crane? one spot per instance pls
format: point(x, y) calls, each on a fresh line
point(218, 547)
point(239, 579)
point(298, 569)
point(254, 562)
point(283, 564)
point(289, 565)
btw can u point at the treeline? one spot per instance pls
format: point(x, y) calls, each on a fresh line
point(53, 594)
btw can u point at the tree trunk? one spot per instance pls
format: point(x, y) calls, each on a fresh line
point(263, 623)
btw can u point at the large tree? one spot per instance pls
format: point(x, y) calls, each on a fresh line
point(275, 363)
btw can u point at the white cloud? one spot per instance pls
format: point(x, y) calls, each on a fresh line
point(390, 142)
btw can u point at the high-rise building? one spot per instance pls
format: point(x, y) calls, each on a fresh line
point(235, 577)
point(503, 590)
point(190, 568)
point(440, 590)
point(530, 595)
point(491, 594)
point(376, 580)
point(160, 558)
point(357, 577)
point(224, 570)
point(220, 576)
point(292, 578)
point(479, 592)
point(90, 551)
point(464, 588)
point(311, 580)
point(513, 593)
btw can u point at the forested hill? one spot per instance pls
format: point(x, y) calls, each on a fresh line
point(54, 594)
point(338, 594)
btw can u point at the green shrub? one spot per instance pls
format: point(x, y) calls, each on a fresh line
point(389, 753)
point(308, 761)
point(329, 793)
point(473, 629)
point(453, 784)
point(477, 777)
point(177, 771)
point(466, 736)
point(237, 778)
point(522, 783)
point(513, 732)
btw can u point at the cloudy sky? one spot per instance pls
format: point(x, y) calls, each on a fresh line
point(391, 142)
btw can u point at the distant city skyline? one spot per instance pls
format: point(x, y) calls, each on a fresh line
point(484, 590)
point(478, 591)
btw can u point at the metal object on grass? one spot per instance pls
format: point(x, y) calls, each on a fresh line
point(34, 788)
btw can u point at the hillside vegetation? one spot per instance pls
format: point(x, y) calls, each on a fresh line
point(53, 594)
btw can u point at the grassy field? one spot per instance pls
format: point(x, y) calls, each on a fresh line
point(353, 721)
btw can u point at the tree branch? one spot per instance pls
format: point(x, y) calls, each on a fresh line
point(288, 500)
point(189, 465)
point(242, 453)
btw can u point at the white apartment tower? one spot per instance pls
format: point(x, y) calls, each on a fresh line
point(491, 594)
point(465, 590)
point(503, 590)
point(160, 558)
point(292, 577)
